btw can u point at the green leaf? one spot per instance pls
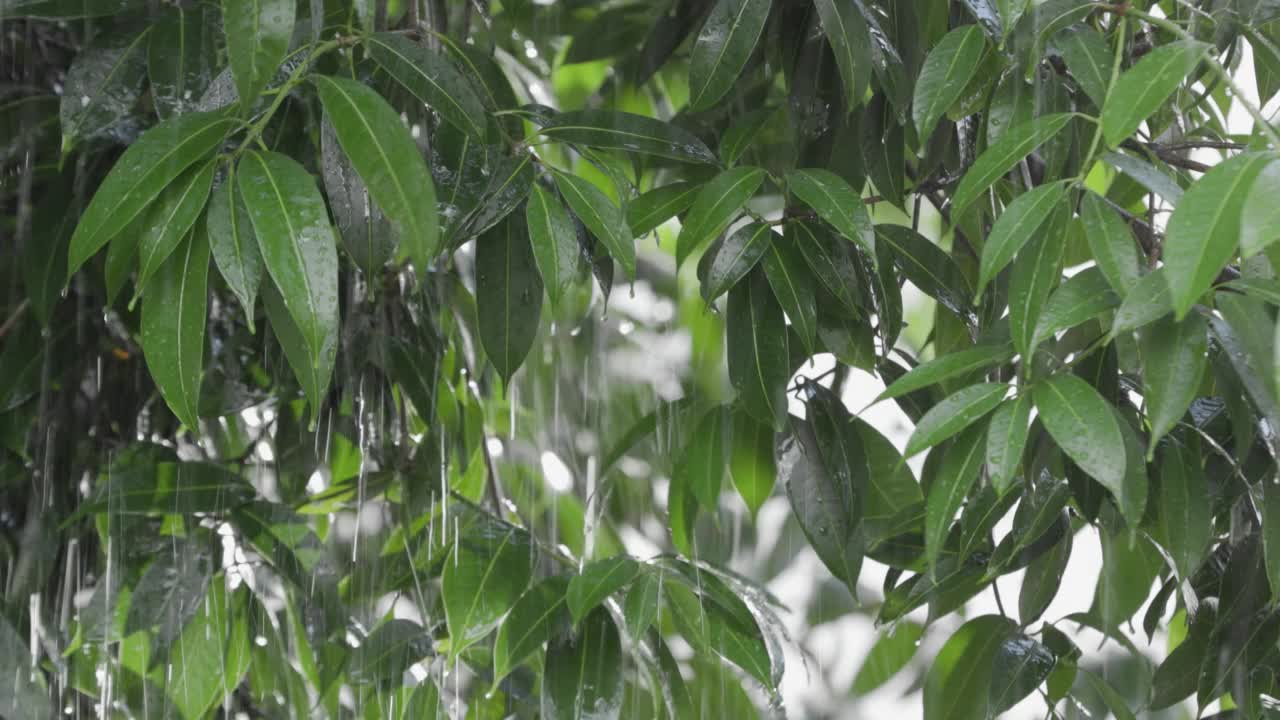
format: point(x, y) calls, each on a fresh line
point(168, 594)
point(313, 376)
point(1174, 357)
point(149, 488)
point(640, 610)
point(792, 285)
point(1129, 565)
point(1144, 173)
point(957, 686)
point(832, 260)
point(212, 655)
point(756, 336)
point(535, 617)
point(1178, 675)
point(738, 138)
point(1034, 275)
point(180, 60)
point(945, 73)
point(433, 79)
point(389, 651)
point(725, 43)
point(148, 167)
point(65, 9)
point(365, 231)
point(170, 219)
point(836, 202)
point(44, 257)
point(1186, 508)
point(598, 581)
point(380, 148)
point(614, 130)
point(928, 267)
point(488, 569)
point(297, 244)
point(102, 87)
point(1080, 298)
point(258, 34)
point(955, 478)
point(173, 321)
point(850, 40)
point(1205, 228)
point(700, 468)
point(1085, 427)
point(892, 651)
point(1260, 216)
point(751, 464)
point(1020, 665)
point(22, 695)
point(653, 208)
point(1014, 145)
point(1043, 580)
point(951, 365)
point(729, 261)
point(716, 205)
point(1088, 59)
point(604, 219)
point(508, 295)
point(958, 411)
point(1147, 301)
point(234, 246)
point(1271, 531)
point(715, 632)
point(1110, 242)
point(555, 242)
point(1143, 88)
point(1006, 439)
point(582, 677)
point(1025, 218)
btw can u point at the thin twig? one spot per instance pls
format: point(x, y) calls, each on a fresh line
point(18, 312)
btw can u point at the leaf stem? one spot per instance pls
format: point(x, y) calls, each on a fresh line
point(1263, 124)
point(295, 79)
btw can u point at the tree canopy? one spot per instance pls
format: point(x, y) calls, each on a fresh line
point(397, 359)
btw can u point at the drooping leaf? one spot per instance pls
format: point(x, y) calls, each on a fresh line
point(1129, 565)
point(381, 149)
point(640, 610)
point(738, 138)
point(751, 463)
point(928, 267)
point(850, 40)
point(1174, 357)
point(958, 411)
point(140, 175)
point(836, 202)
point(212, 654)
point(508, 295)
point(653, 208)
point(715, 206)
point(1034, 275)
point(946, 367)
point(955, 478)
point(148, 488)
point(1024, 219)
point(583, 676)
point(234, 246)
point(597, 581)
point(487, 571)
point(180, 60)
point(258, 34)
point(535, 618)
point(729, 261)
point(1261, 214)
point(958, 684)
point(170, 219)
point(1110, 242)
point(168, 594)
point(1088, 59)
point(1205, 228)
point(555, 242)
point(431, 78)
point(1014, 145)
point(722, 48)
point(1080, 298)
point(945, 74)
point(758, 357)
point(173, 327)
point(1149, 176)
point(613, 130)
point(1140, 90)
point(701, 466)
point(789, 278)
point(298, 248)
point(365, 230)
point(718, 633)
point(390, 650)
point(1147, 301)
point(1020, 665)
point(604, 219)
point(892, 651)
point(1043, 580)
point(1186, 509)
point(1006, 439)
point(101, 88)
point(1085, 427)
point(312, 372)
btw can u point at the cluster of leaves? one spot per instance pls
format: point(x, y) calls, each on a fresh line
point(307, 515)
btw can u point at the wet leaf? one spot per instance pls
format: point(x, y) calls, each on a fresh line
point(836, 202)
point(297, 244)
point(1143, 88)
point(1080, 298)
point(173, 327)
point(433, 79)
point(751, 464)
point(597, 581)
point(759, 364)
point(715, 633)
point(1088, 59)
point(583, 677)
point(1085, 427)
point(140, 175)
point(951, 365)
point(180, 60)
point(381, 149)
point(1034, 275)
point(956, 475)
point(850, 40)
point(1006, 439)
point(944, 75)
point(555, 242)
point(701, 466)
point(1205, 228)
point(1174, 357)
point(1025, 218)
point(892, 651)
point(390, 650)
point(640, 610)
point(312, 372)
point(1261, 214)
point(213, 653)
point(832, 261)
point(234, 246)
point(535, 618)
point(957, 686)
point(739, 137)
point(604, 219)
point(715, 206)
point(1148, 300)
point(1186, 509)
point(791, 282)
point(258, 34)
point(170, 219)
point(928, 267)
point(1110, 242)
point(1014, 145)
point(508, 295)
point(1020, 665)
point(487, 571)
point(613, 130)
point(958, 411)
point(101, 89)
point(364, 229)
point(729, 261)
point(1043, 580)
point(722, 48)
point(653, 208)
